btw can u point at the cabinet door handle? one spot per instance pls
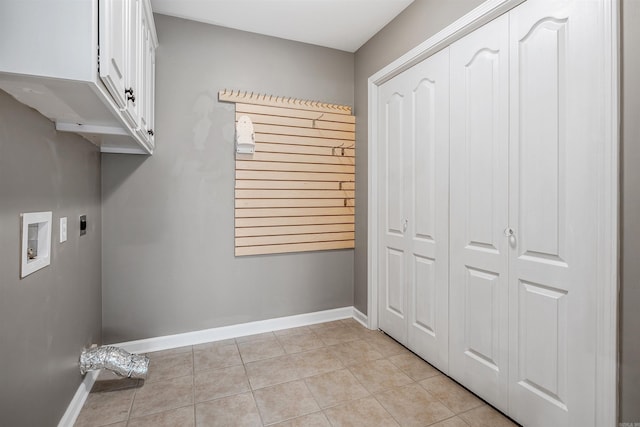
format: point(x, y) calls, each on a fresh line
point(405, 224)
point(508, 232)
point(130, 95)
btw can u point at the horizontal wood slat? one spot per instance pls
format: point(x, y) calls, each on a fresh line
point(295, 194)
point(263, 147)
point(293, 229)
point(255, 184)
point(266, 212)
point(293, 238)
point(298, 122)
point(293, 167)
point(294, 131)
point(293, 220)
point(292, 112)
point(296, 158)
point(303, 140)
point(296, 247)
point(293, 203)
point(296, 191)
point(294, 176)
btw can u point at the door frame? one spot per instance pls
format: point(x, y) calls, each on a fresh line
point(608, 192)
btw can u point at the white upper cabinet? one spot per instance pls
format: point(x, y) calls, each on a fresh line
point(88, 66)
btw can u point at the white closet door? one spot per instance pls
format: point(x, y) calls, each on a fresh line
point(479, 211)
point(414, 195)
point(556, 131)
point(428, 297)
point(393, 248)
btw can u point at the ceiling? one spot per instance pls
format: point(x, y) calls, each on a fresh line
point(339, 24)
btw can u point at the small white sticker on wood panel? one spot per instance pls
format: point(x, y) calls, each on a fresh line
point(296, 193)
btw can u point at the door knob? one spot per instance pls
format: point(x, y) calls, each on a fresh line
point(508, 232)
point(405, 224)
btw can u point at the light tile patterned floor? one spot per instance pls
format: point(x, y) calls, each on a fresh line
point(330, 374)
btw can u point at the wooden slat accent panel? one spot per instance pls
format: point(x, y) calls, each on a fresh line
point(296, 192)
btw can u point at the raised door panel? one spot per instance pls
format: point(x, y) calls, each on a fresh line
point(479, 211)
point(113, 48)
point(481, 326)
point(556, 129)
point(392, 258)
point(428, 191)
point(147, 84)
point(423, 299)
point(136, 31)
point(151, 93)
point(394, 164)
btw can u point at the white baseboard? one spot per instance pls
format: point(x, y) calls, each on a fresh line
point(360, 317)
point(74, 408)
point(235, 331)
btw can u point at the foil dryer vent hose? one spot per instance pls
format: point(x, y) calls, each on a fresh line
point(114, 359)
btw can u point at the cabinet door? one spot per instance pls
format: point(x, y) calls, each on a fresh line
point(556, 131)
point(147, 85)
point(113, 48)
point(478, 355)
point(393, 246)
point(150, 98)
point(134, 40)
point(427, 143)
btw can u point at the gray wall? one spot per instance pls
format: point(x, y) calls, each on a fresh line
point(418, 22)
point(47, 317)
point(168, 263)
point(630, 289)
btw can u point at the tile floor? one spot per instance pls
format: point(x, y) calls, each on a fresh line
point(330, 374)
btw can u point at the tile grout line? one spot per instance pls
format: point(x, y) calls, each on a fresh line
point(255, 402)
point(253, 396)
point(385, 409)
point(133, 398)
point(193, 371)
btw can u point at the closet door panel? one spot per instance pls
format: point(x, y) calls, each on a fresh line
point(414, 211)
point(393, 225)
point(556, 129)
point(479, 211)
point(429, 210)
